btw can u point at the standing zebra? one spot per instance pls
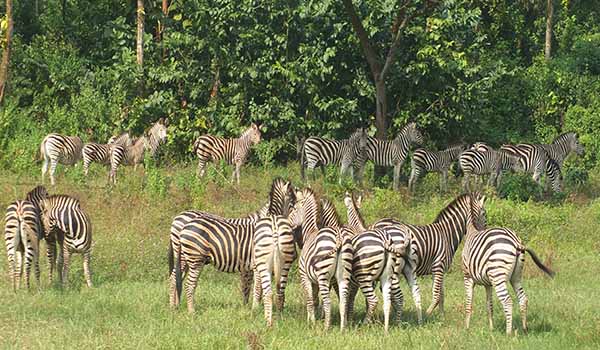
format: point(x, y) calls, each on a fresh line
point(233, 151)
point(433, 246)
point(134, 154)
point(274, 253)
point(424, 161)
point(100, 153)
point(323, 152)
point(489, 162)
point(56, 148)
point(22, 231)
point(492, 257)
point(390, 153)
point(562, 146)
point(68, 225)
point(533, 158)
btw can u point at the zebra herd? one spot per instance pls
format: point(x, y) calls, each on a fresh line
point(57, 219)
point(346, 257)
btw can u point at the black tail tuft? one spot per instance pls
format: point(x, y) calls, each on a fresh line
point(539, 263)
point(171, 258)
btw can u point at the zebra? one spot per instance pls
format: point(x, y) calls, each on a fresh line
point(533, 158)
point(562, 146)
point(319, 259)
point(100, 153)
point(233, 151)
point(554, 175)
point(492, 257)
point(67, 224)
point(134, 154)
point(57, 148)
point(355, 220)
point(481, 147)
point(390, 153)
point(323, 152)
point(491, 161)
point(22, 231)
point(433, 246)
point(424, 161)
point(274, 253)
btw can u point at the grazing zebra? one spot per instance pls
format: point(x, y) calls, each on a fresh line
point(390, 153)
point(489, 162)
point(533, 158)
point(56, 148)
point(493, 257)
point(562, 146)
point(274, 253)
point(100, 153)
point(424, 161)
point(433, 246)
point(134, 154)
point(68, 225)
point(323, 152)
point(22, 231)
point(233, 151)
point(319, 260)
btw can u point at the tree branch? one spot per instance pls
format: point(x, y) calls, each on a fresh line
point(368, 50)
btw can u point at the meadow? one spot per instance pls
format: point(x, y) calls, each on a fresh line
point(128, 306)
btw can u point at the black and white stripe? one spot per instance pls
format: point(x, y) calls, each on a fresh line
point(100, 153)
point(473, 162)
point(318, 151)
point(391, 153)
point(234, 151)
point(494, 257)
point(67, 224)
point(533, 158)
point(562, 146)
point(424, 161)
point(56, 148)
point(134, 154)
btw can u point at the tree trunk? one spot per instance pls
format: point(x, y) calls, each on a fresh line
point(160, 31)
point(6, 54)
point(549, 18)
point(381, 121)
point(140, 33)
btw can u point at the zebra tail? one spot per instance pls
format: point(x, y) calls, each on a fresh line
point(171, 258)
point(178, 282)
point(42, 154)
point(196, 145)
point(302, 150)
point(539, 263)
point(277, 259)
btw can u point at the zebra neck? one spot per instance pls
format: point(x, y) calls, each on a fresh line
point(355, 220)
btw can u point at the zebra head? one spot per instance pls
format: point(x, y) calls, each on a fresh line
point(36, 195)
point(571, 141)
point(359, 140)
point(350, 200)
point(47, 222)
point(411, 134)
point(478, 213)
point(159, 131)
point(252, 133)
point(281, 197)
point(306, 210)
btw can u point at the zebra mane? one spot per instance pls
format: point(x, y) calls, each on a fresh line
point(308, 192)
point(281, 197)
point(328, 207)
point(450, 209)
point(564, 137)
point(37, 194)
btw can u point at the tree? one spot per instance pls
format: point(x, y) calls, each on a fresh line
point(7, 46)
point(380, 71)
point(140, 33)
point(549, 18)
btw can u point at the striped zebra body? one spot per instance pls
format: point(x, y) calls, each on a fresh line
point(134, 154)
point(424, 161)
point(205, 240)
point(274, 253)
point(391, 153)
point(56, 148)
point(67, 224)
point(433, 246)
point(329, 215)
point(319, 259)
point(322, 152)
point(22, 233)
point(562, 147)
point(481, 147)
point(533, 158)
point(234, 151)
point(100, 153)
point(494, 257)
point(473, 162)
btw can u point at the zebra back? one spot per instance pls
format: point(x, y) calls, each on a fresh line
point(562, 146)
point(123, 139)
point(64, 213)
point(389, 153)
point(64, 149)
point(436, 160)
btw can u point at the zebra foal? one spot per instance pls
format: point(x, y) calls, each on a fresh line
point(424, 161)
point(233, 151)
point(67, 225)
point(493, 257)
point(474, 162)
point(320, 151)
point(134, 154)
point(100, 153)
point(57, 148)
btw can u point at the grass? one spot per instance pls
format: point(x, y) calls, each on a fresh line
point(128, 307)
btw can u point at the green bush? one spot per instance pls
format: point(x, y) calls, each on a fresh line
point(519, 187)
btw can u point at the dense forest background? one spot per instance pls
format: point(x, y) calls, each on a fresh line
point(495, 71)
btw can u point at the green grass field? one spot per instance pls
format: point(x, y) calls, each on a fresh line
point(128, 306)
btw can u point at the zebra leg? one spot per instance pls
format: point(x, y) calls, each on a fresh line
point(53, 163)
point(307, 286)
point(352, 291)
point(397, 169)
point(87, 257)
point(411, 279)
point(201, 168)
point(490, 306)
point(173, 300)
point(44, 167)
point(65, 268)
point(506, 300)
point(444, 181)
point(194, 269)
point(60, 261)
point(51, 254)
point(267, 292)
point(28, 259)
point(18, 268)
point(343, 299)
point(11, 269)
point(86, 165)
point(257, 290)
point(324, 290)
point(515, 281)
point(36, 267)
point(237, 172)
point(246, 284)
point(438, 290)
point(366, 287)
point(411, 181)
point(397, 297)
point(469, 300)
